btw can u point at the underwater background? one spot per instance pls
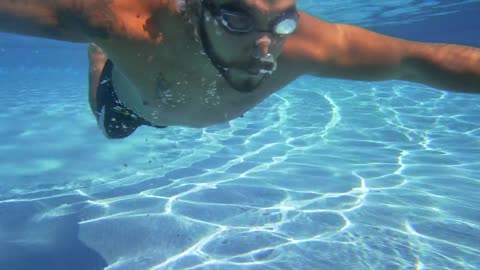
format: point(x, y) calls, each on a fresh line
point(325, 174)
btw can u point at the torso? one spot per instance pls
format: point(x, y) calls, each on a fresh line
point(171, 82)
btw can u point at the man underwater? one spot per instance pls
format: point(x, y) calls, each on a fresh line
point(202, 62)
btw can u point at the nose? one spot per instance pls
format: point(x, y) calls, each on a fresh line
point(262, 46)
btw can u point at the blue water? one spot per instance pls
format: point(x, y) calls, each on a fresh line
point(326, 174)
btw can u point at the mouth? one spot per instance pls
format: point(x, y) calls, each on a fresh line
point(263, 65)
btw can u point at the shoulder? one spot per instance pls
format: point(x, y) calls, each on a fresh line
point(315, 39)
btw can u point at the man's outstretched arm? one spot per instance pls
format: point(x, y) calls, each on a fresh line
point(70, 20)
point(345, 51)
point(444, 66)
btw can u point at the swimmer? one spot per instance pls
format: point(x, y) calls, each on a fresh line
point(198, 63)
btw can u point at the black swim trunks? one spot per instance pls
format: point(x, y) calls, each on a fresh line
point(113, 117)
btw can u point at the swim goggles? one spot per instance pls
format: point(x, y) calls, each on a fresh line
point(240, 22)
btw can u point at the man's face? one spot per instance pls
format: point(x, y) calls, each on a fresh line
point(251, 53)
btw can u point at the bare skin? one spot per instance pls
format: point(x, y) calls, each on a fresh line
point(161, 73)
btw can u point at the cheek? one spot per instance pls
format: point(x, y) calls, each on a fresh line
point(277, 44)
point(276, 47)
point(234, 46)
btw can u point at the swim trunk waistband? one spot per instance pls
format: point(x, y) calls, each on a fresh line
point(114, 118)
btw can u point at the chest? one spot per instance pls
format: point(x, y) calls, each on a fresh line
point(175, 83)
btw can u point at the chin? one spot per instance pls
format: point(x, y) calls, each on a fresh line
point(242, 80)
point(247, 86)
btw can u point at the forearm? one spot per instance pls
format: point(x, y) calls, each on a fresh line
point(55, 19)
point(366, 55)
point(444, 66)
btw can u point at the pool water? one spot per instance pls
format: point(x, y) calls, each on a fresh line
point(326, 174)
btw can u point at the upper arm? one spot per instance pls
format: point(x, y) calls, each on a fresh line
point(344, 51)
point(69, 20)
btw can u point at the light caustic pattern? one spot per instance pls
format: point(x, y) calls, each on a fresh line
point(325, 175)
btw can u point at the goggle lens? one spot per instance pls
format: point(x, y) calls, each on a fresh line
point(238, 22)
point(286, 27)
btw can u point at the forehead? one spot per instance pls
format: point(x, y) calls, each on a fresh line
point(262, 6)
